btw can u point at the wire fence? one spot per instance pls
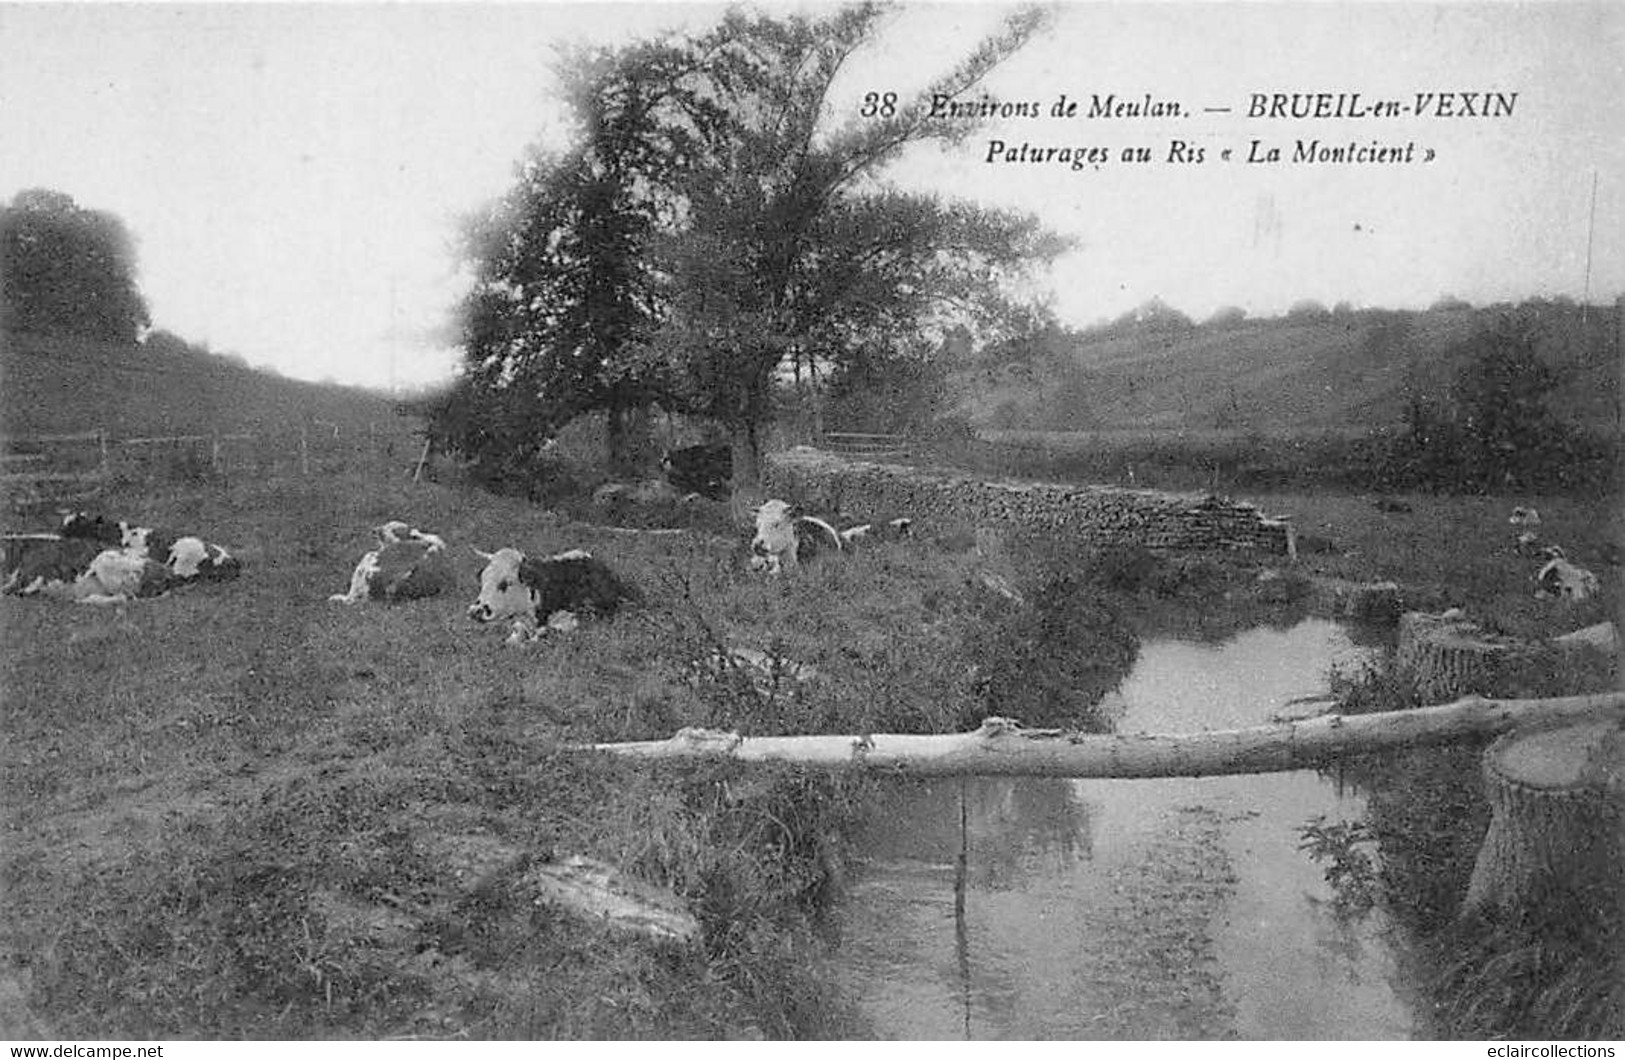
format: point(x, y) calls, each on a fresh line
point(56, 469)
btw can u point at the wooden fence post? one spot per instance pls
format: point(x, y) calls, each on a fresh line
point(422, 459)
point(304, 449)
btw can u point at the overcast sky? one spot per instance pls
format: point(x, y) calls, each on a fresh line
point(293, 174)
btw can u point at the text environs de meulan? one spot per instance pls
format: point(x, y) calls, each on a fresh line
point(1063, 106)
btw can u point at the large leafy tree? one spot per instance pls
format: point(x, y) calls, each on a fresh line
point(68, 270)
point(708, 236)
point(794, 253)
point(563, 285)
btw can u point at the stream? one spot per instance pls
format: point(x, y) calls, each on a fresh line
point(1136, 909)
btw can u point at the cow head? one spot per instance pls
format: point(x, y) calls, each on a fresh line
point(392, 532)
point(187, 557)
point(775, 528)
point(502, 594)
point(141, 540)
point(1566, 581)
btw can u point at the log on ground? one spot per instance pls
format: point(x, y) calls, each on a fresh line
point(1002, 747)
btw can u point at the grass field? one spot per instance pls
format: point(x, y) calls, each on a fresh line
point(1337, 372)
point(244, 810)
point(55, 385)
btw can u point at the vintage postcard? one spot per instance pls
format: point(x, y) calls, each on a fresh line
point(809, 521)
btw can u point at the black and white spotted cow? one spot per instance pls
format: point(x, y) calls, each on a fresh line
point(186, 556)
point(405, 564)
point(1559, 579)
point(79, 570)
point(550, 593)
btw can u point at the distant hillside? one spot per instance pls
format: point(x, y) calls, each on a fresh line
point(1337, 372)
point(53, 385)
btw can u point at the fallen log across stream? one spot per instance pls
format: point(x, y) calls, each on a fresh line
point(1002, 747)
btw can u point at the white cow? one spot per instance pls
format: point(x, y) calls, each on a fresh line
point(784, 539)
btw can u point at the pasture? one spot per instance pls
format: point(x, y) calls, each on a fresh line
point(247, 811)
point(244, 811)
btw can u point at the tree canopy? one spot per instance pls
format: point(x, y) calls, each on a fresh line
point(711, 237)
point(68, 270)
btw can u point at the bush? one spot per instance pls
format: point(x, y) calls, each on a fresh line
point(1050, 660)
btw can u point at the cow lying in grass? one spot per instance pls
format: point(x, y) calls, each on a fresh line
point(406, 564)
point(864, 533)
point(79, 570)
point(1564, 580)
point(551, 593)
point(785, 540)
point(186, 556)
point(96, 560)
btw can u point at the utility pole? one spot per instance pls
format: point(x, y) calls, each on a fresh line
point(1591, 230)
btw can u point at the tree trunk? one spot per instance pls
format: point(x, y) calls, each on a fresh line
point(1002, 748)
point(747, 471)
point(1557, 799)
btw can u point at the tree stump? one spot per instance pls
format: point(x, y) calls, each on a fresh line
point(1557, 799)
point(1449, 656)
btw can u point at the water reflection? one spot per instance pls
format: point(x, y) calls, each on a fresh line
point(1013, 828)
point(1135, 909)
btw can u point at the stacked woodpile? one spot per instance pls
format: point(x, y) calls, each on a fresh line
point(1103, 515)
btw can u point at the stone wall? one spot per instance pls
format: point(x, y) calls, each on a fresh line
point(827, 484)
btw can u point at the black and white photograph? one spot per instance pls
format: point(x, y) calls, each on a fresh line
point(679, 521)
